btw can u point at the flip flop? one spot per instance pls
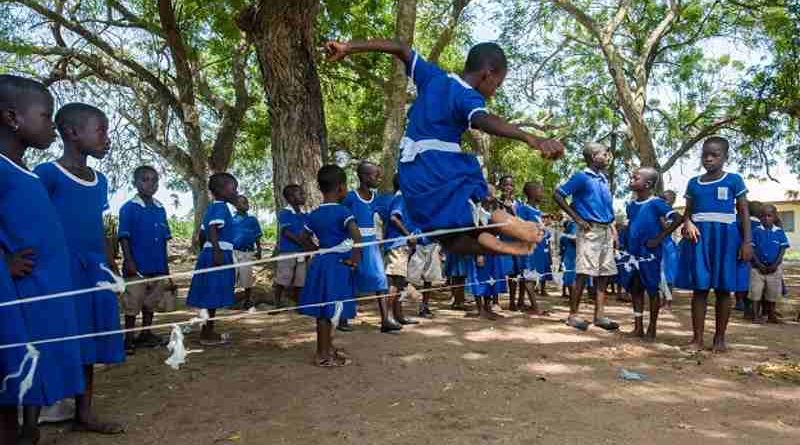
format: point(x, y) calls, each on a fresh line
point(578, 324)
point(607, 324)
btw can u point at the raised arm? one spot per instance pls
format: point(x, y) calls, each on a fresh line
point(497, 126)
point(339, 50)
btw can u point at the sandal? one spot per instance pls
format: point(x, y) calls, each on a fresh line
point(93, 426)
point(578, 324)
point(606, 323)
point(331, 362)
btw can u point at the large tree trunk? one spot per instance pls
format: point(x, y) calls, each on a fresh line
point(396, 93)
point(200, 199)
point(283, 32)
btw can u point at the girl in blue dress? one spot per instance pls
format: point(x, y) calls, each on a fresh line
point(80, 196)
point(543, 262)
point(371, 274)
point(529, 211)
point(444, 186)
point(716, 235)
point(331, 276)
point(566, 246)
point(486, 282)
point(36, 257)
point(457, 269)
point(216, 289)
point(669, 261)
point(513, 265)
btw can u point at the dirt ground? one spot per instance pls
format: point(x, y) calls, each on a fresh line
point(457, 380)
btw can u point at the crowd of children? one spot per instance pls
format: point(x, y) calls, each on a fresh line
point(52, 237)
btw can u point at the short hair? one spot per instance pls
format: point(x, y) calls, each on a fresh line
point(218, 180)
point(755, 208)
point(532, 185)
point(589, 149)
point(329, 177)
point(719, 141)
point(17, 92)
point(288, 189)
point(771, 207)
point(76, 114)
point(361, 169)
point(651, 174)
point(139, 171)
point(668, 192)
point(503, 178)
point(486, 55)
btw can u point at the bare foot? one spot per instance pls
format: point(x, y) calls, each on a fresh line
point(719, 345)
point(695, 345)
point(650, 337)
point(537, 311)
point(636, 333)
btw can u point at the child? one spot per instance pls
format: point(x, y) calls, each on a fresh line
point(767, 276)
point(457, 268)
point(669, 259)
point(593, 214)
point(542, 259)
point(529, 211)
point(398, 252)
point(291, 273)
point(215, 290)
point(567, 254)
point(370, 275)
point(713, 242)
point(246, 247)
point(513, 264)
point(446, 106)
point(143, 235)
point(80, 196)
point(36, 257)
point(424, 269)
point(486, 283)
point(743, 303)
point(330, 276)
point(645, 237)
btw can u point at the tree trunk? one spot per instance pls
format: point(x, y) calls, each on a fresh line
point(200, 199)
point(396, 93)
point(283, 32)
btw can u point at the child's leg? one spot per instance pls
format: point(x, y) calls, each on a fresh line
point(130, 337)
point(458, 292)
point(425, 310)
point(575, 296)
point(530, 289)
point(485, 243)
point(207, 332)
point(85, 419)
point(723, 308)
point(699, 307)
point(278, 295)
point(637, 296)
point(524, 231)
point(655, 307)
point(8, 424)
point(30, 424)
point(600, 302)
point(512, 292)
point(542, 287)
point(324, 339)
point(388, 323)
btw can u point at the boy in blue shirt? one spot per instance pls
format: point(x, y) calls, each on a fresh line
point(766, 276)
point(246, 247)
point(443, 186)
point(143, 234)
point(593, 213)
point(290, 275)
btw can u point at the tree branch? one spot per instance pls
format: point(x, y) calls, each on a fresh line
point(446, 35)
point(692, 141)
point(619, 17)
point(652, 41)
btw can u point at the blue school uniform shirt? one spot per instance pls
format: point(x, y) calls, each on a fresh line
point(768, 243)
point(294, 222)
point(715, 201)
point(329, 223)
point(364, 213)
point(528, 212)
point(247, 232)
point(145, 226)
point(644, 223)
point(591, 196)
point(218, 214)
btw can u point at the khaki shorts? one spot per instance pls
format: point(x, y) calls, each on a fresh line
point(244, 274)
point(396, 261)
point(151, 296)
point(291, 272)
point(425, 265)
point(768, 287)
point(594, 251)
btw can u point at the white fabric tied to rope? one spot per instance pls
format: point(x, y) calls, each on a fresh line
point(338, 307)
point(118, 286)
point(177, 349)
point(32, 356)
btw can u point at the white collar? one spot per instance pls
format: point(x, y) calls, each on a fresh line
point(643, 202)
point(14, 164)
point(138, 200)
point(290, 209)
point(358, 195)
point(591, 172)
point(325, 204)
point(774, 228)
point(724, 175)
point(461, 81)
point(76, 179)
point(398, 193)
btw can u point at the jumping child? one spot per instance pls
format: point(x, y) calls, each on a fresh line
point(246, 248)
point(35, 252)
point(446, 106)
point(766, 279)
point(143, 234)
point(80, 196)
point(213, 290)
point(645, 238)
point(331, 275)
point(716, 235)
point(290, 275)
point(593, 213)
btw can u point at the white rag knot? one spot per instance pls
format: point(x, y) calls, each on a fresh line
point(118, 285)
point(32, 356)
point(338, 307)
point(343, 247)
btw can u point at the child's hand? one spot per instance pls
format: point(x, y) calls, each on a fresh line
point(653, 243)
point(772, 268)
point(412, 243)
point(746, 252)
point(690, 232)
point(550, 148)
point(337, 51)
point(352, 263)
point(219, 257)
point(20, 264)
point(480, 260)
point(583, 224)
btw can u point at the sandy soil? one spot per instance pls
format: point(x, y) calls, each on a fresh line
point(457, 380)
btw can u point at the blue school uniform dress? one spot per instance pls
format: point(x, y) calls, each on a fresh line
point(330, 280)
point(488, 280)
point(711, 263)
point(80, 205)
point(441, 184)
point(527, 212)
point(542, 260)
point(568, 253)
point(768, 243)
point(214, 290)
point(669, 259)
point(247, 230)
point(458, 266)
point(12, 330)
point(370, 275)
point(28, 220)
point(644, 224)
point(145, 226)
point(293, 222)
